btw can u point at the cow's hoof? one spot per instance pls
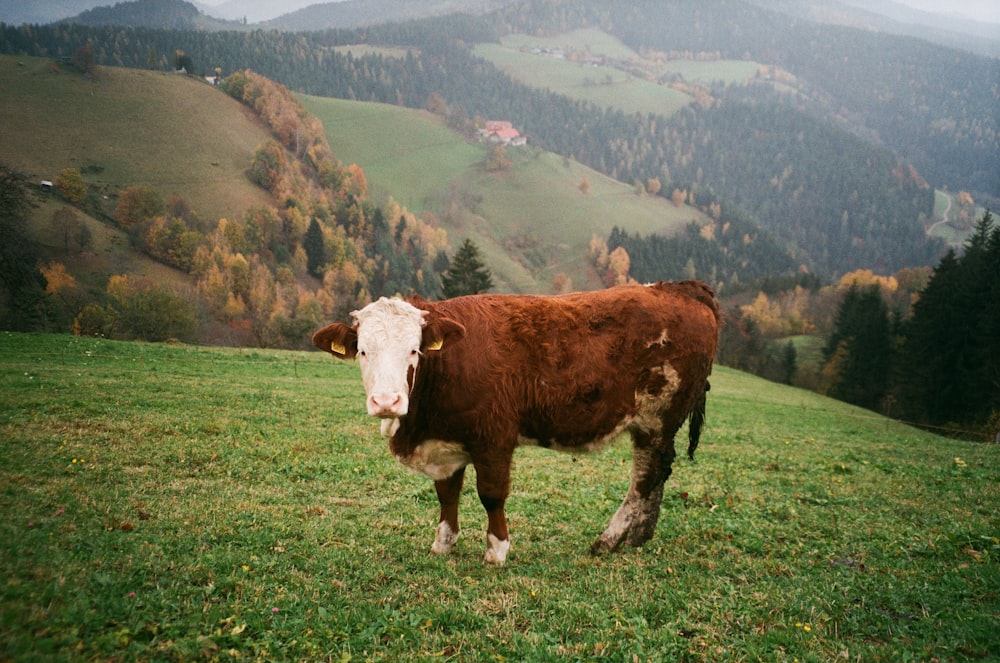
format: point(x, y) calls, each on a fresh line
point(445, 539)
point(496, 550)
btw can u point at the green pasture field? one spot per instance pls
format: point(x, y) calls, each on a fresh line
point(531, 221)
point(586, 40)
point(408, 154)
point(121, 127)
point(176, 503)
point(605, 86)
point(537, 207)
point(598, 42)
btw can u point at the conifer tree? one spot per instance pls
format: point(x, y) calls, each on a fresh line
point(860, 346)
point(313, 245)
point(950, 371)
point(466, 275)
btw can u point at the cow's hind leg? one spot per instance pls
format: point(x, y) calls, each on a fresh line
point(635, 520)
point(448, 491)
point(493, 484)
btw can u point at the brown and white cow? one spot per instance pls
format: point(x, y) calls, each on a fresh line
point(466, 381)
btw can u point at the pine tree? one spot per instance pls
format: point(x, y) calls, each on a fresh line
point(466, 275)
point(315, 248)
point(950, 371)
point(860, 348)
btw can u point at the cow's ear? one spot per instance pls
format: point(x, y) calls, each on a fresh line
point(338, 339)
point(439, 332)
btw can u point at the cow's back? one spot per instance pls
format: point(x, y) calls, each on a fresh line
point(567, 370)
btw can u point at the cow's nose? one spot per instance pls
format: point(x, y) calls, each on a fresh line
point(386, 405)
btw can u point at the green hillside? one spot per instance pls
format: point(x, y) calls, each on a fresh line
point(531, 221)
point(601, 85)
point(176, 503)
point(122, 127)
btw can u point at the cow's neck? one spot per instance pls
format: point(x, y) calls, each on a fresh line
point(389, 426)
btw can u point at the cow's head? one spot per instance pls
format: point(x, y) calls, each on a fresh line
point(388, 338)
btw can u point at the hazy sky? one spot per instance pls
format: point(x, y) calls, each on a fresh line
point(982, 10)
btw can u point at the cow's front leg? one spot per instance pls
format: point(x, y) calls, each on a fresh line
point(493, 485)
point(448, 491)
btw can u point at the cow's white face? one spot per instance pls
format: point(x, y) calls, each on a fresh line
point(390, 335)
point(388, 338)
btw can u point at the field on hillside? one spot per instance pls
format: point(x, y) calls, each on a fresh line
point(596, 42)
point(531, 222)
point(601, 85)
point(407, 154)
point(189, 503)
point(121, 127)
point(536, 211)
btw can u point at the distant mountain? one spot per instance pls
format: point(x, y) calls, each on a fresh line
point(253, 11)
point(164, 14)
point(16, 12)
point(894, 18)
point(358, 13)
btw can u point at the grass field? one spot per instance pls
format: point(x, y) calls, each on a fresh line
point(121, 127)
point(604, 86)
point(597, 42)
point(181, 503)
point(408, 154)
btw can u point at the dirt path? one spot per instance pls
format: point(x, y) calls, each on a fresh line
point(944, 217)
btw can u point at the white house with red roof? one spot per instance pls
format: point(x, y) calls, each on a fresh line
point(500, 131)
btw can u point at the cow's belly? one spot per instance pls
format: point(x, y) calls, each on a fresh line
point(583, 426)
point(436, 458)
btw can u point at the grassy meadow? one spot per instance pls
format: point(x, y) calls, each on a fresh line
point(121, 127)
point(600, 85)
point(165, 502)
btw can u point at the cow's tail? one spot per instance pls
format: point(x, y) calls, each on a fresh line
point(696, 421)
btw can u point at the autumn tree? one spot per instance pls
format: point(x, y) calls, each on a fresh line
point(138, 203)
point(466, 275)
point(65, 298)
point(66, 226)
point(618, 267)
point(496, 158)
point(144, 310)
point(84, 60)
point(71, 186)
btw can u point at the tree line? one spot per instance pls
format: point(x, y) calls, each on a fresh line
point(922, 345)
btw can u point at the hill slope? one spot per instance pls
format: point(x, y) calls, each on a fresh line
point(531, 221)
point(122, 127)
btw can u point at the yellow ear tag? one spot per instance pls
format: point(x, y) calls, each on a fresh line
point(436, 345)
point(338, 348)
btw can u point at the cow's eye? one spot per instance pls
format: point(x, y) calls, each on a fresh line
point(414, 353)
point(362, 353)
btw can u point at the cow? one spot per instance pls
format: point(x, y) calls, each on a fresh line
point(467, 380)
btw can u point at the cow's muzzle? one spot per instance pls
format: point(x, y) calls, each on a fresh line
point(387, 404)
